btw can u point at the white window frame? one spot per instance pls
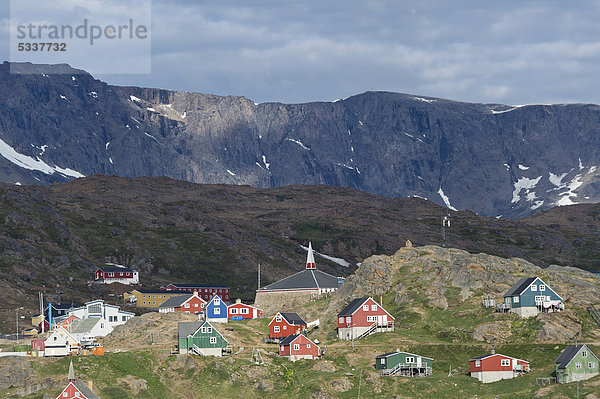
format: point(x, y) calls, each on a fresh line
point(244, 310)
point(515, 299)
point(276, 329)
point(584, 353)
point(366, 308)
point(217, 302)
point(217, 311)
point(533, 287)
point(348, 319)
point(213, 340)
point(504, 362)
point(371, 319)
point(591, 365)
point(477, 363)
point(307, 346)
point(341, 320)
point(233, 310)
point(542, 287)
point(410, 360)
point(296, 347)
point(209, 330)
point(187, 305)
point(373, 308)
point(577, 365)
point(203, 330)
point(278, 318)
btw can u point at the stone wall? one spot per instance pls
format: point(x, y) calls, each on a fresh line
point(273, 302)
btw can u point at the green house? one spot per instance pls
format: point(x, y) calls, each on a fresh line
point(201, 338)
point(576, 363)
point(404, 364)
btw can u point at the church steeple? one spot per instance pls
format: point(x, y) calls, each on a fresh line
point(310, 258)
point(71, 376)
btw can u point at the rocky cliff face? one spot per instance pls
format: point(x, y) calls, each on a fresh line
point(492, 159)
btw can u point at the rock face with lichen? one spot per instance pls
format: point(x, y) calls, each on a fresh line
point(443, 276)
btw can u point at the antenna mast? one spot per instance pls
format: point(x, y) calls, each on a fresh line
point(445, 223)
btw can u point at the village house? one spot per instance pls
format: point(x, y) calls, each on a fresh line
point(204, 291)
point(116, 274)
point(86, 330)
point(297, 347)
point(239, 310)
point(285, 324)
point(404, 364)
point(76, 389)
point(186, 303)
point(200, 338)
point(113, 315)
point(495, 367)
point(530, 296)
point(576, 363)
point(216, 310)
point(298, 288)
point(150, 298)
point(362, 317)
point(61, 343)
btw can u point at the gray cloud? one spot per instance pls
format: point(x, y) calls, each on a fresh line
point(504, 52)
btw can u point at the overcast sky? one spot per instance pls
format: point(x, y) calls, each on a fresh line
point(512, 52)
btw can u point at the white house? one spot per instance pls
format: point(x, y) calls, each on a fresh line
point(60, 343)
point(87, 329)
point(113, 315)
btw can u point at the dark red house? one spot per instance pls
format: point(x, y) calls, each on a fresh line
point(191, 303)
point(297, 347)
point(285, 324)
point(117, 274)
point(362, 317)
point(204, 291)
point(245, 311)
point(494, 367)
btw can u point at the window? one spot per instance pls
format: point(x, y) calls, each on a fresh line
point(348, 319)
point(195, 305)
point(507, 300)
point(276, 329)
point(209, 330)
point(123, 318)
point(341, 320)
point(187, 305)
point(477, 363)
point(584, 353)
point(307, 346)
point(217, 310)
point(410, 359)
point(373, 308)
point(505, 362)
point(203, 330)
point(591, 365)
point(515, 299)
point(64, 394)
point(244, 310)
point(296, 347)
point(366, 308)
point(233, 311)
point(217, 302)
point(577, 365)
point(533, 287)
point(285, 327)
point(371, 319)
point(542, 287)
point(278, 318)
point(539, 299)
point(77, 394)
point(213, 340)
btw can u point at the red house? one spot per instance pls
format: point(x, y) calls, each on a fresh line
point(243, 310)
point(362, 317)
point(285, 324)
point(297, 347)
point(38, 344)
point(191, 303)
point(117, 274)
point(204, 291)
point(76, 388)
point(494, 367)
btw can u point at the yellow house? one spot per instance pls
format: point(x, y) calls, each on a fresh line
point(150, 298)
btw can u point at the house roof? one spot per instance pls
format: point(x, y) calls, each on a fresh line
point(520, 286)
point(293, 318)
point(176, 301)
point(195, 286)
point(496, 354)
point(352, 306)
point(162, 292)
point(568, 354)
point(288, 340)
point(399, 352)
point(85, 390)
point(306, 279)
point(185, 329)
point(84, 326)
point(113, 269)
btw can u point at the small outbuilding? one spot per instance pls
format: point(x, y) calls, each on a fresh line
point(404, 364)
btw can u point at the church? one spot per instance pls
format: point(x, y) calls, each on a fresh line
point(294, 291)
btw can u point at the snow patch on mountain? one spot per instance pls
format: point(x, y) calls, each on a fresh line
point(446, 199)
point(27, 162)
point(567, 196)
point(524, 183)
point(339, 261)
point(299, 143)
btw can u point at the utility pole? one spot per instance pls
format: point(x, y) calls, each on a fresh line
point(17, 317)
point(445, 223)
point(41, 296)
point(258, 276)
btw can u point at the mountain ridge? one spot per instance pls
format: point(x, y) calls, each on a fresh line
point(497, 160)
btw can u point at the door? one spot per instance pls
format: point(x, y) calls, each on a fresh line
point(379, 320)
point(419, 361)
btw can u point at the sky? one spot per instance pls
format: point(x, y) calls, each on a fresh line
point(510, 52)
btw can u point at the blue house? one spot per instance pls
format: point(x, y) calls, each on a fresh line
point(216, 310)
point(530, 296)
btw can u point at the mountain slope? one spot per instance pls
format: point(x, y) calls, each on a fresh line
point(492, 159)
